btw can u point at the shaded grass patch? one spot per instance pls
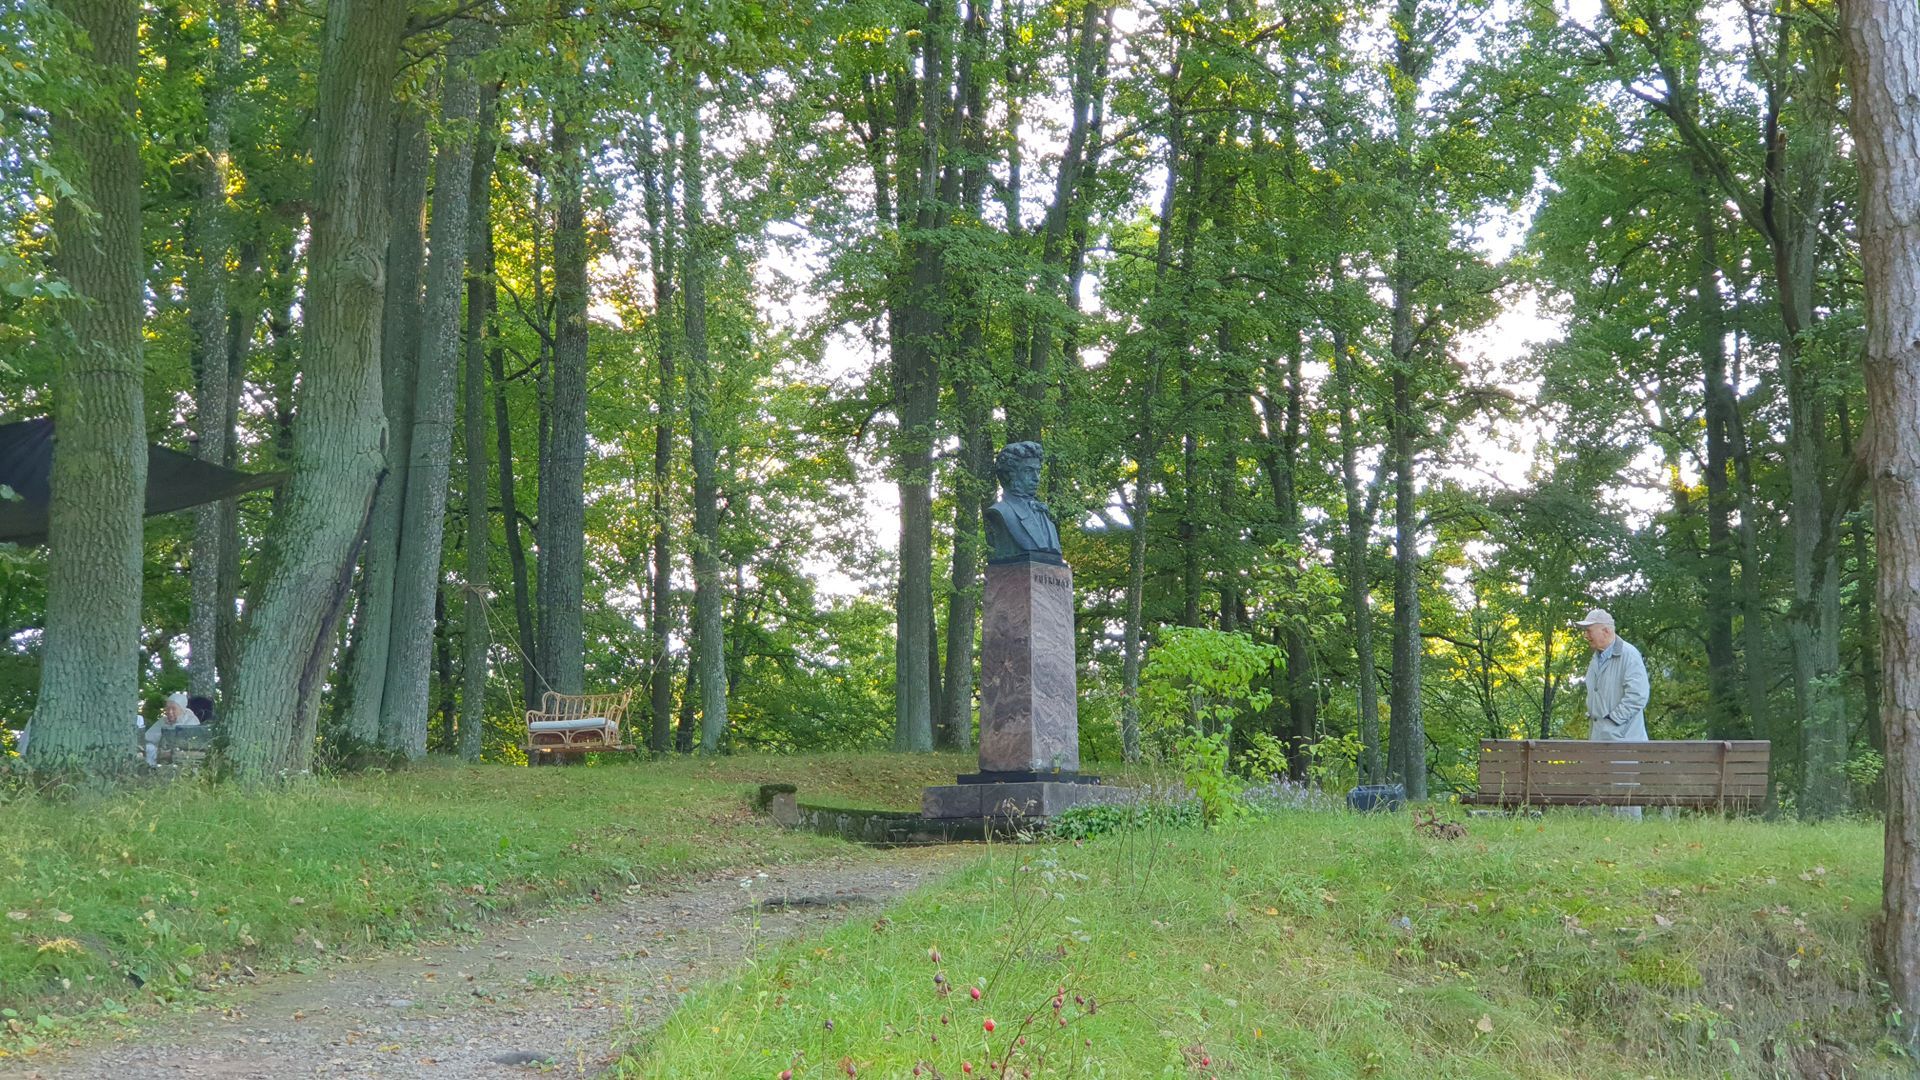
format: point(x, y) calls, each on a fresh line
point(1336, 945)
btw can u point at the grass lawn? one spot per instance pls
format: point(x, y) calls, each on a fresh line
point(1333, 945)
point(108, 902)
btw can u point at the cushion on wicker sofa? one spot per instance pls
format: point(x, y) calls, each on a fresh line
point(584, 723)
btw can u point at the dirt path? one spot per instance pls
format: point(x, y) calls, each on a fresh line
point(544, 996)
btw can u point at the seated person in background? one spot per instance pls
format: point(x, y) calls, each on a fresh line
point(173, 714)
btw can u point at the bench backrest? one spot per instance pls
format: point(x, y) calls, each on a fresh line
point(1731, 773)
point(608, 707)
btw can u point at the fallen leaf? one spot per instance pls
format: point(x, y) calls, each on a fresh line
point(1484, 1025)
point(17, 916)
point(1661, 920)
point(296, 901)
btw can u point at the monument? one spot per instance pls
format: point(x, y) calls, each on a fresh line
point(1029, 712)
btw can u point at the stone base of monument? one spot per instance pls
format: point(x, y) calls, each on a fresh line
point(1024, 800)
point(1029, 715)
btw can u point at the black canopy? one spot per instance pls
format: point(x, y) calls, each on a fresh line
point(175, 480)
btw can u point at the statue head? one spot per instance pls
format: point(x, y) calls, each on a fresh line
point(1018, 467)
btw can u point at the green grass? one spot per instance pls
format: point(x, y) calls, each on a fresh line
point(112, 901)
point(1334, 945)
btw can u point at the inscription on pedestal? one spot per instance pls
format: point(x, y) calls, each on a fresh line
point(1029, 719)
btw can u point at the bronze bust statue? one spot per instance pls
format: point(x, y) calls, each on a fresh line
point(1019, 525)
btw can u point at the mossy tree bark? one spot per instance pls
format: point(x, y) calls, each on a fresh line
point(416, 580)
point(339, 425)
point(89, 685)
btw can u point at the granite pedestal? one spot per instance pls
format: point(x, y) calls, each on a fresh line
point(1029, 712)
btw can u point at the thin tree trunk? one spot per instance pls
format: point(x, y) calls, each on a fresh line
point(1406, 732)
point(657, 181)
point(510, 523)
point(1882, 41)
point(1147, 459)
point(973, 483)
point(916, 386)
point(1723, 696)
point(1406, 736)
point(416, 583)
point(709, 646)
point(685, 732)
point(1868, 622)
point(400, 348)
point(89, 684)
point(442, 673)
point(1359, 590)
point(481, 296)
point(241, 321)
point(208, 306)
point(314, 540)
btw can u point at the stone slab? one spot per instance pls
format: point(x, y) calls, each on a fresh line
point(1029, 714)
point(1041, 799)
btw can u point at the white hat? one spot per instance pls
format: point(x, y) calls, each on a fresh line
point(178, 698)
point(1595, 617)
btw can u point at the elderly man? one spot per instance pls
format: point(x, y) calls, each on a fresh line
point(1617, 688)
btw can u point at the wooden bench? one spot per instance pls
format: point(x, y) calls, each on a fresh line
point(1718, 775)
point(572, 725)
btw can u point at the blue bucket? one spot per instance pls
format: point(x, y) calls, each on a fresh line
point(1368, 797)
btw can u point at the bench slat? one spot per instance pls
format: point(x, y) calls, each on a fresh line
point(1707, 801)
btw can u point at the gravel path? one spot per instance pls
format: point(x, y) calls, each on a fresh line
point(539, 997)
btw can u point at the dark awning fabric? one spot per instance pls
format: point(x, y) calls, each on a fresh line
point(175, 480)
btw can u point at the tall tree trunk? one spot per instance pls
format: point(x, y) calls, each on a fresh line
point(400, 353)
point(241, 320)
point(481, 296)
point(969, 375)
point(657, 169)
point(1882, 42)
point(1756, 665)
point(510, 524)
point(916, 391)
point(442, 672)
point(89, 684)
point(208, 307)
point(1723, 695)
point(1359, 589)
point(685, 733)
point(416, 582)
point(562, 578)
point(289, 632)
point(1147, 455)
point(709, 645)
point(1866, 620)
point(1406, 733)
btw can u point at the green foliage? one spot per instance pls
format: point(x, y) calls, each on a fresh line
point(1265, 758)
point(1202, 761)
point(1087, 822)
point(1333, 762)
point(1204, 678)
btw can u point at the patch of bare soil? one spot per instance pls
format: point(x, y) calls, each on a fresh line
point(544, 996)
